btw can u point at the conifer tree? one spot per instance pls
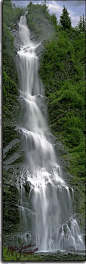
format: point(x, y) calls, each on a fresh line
point(65, 20)
point(81, 25)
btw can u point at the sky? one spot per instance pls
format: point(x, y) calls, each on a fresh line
point(75, 8)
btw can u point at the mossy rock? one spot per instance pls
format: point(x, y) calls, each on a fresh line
point(10, 208)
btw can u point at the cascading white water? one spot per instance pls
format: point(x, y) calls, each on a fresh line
point(49, 203)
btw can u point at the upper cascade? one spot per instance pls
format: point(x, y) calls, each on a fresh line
point(24, 32)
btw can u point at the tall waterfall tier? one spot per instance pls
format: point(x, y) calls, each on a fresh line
point(49, 203)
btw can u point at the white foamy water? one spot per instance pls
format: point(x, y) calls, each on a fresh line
point(46, 212)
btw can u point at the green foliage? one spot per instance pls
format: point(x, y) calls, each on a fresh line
point(81, 25)
point(63, 72)
point(54, 19)
point(37, 8)
point(65, 19)
point(12, 257)
point(11, 15)
point(39, 15)
point(10, 77)
point(9, 53)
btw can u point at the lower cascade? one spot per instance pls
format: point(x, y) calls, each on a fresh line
point(45, 202)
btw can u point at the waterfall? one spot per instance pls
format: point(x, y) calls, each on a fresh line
point(46, 210)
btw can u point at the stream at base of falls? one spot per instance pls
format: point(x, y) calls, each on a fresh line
point(46, 210)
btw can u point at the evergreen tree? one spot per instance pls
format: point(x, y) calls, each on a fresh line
point(65, 19)
point(81, 25)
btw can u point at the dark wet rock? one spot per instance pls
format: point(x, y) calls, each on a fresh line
point(11, 145)
point(71, 248)
point(12, 159)
point(27, 187)
point(64, 257)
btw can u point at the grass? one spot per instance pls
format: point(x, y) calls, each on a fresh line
point(13, 257)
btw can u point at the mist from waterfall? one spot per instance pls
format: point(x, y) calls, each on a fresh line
point(46, 212)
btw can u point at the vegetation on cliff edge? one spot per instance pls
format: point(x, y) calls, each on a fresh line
point(62, 70)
